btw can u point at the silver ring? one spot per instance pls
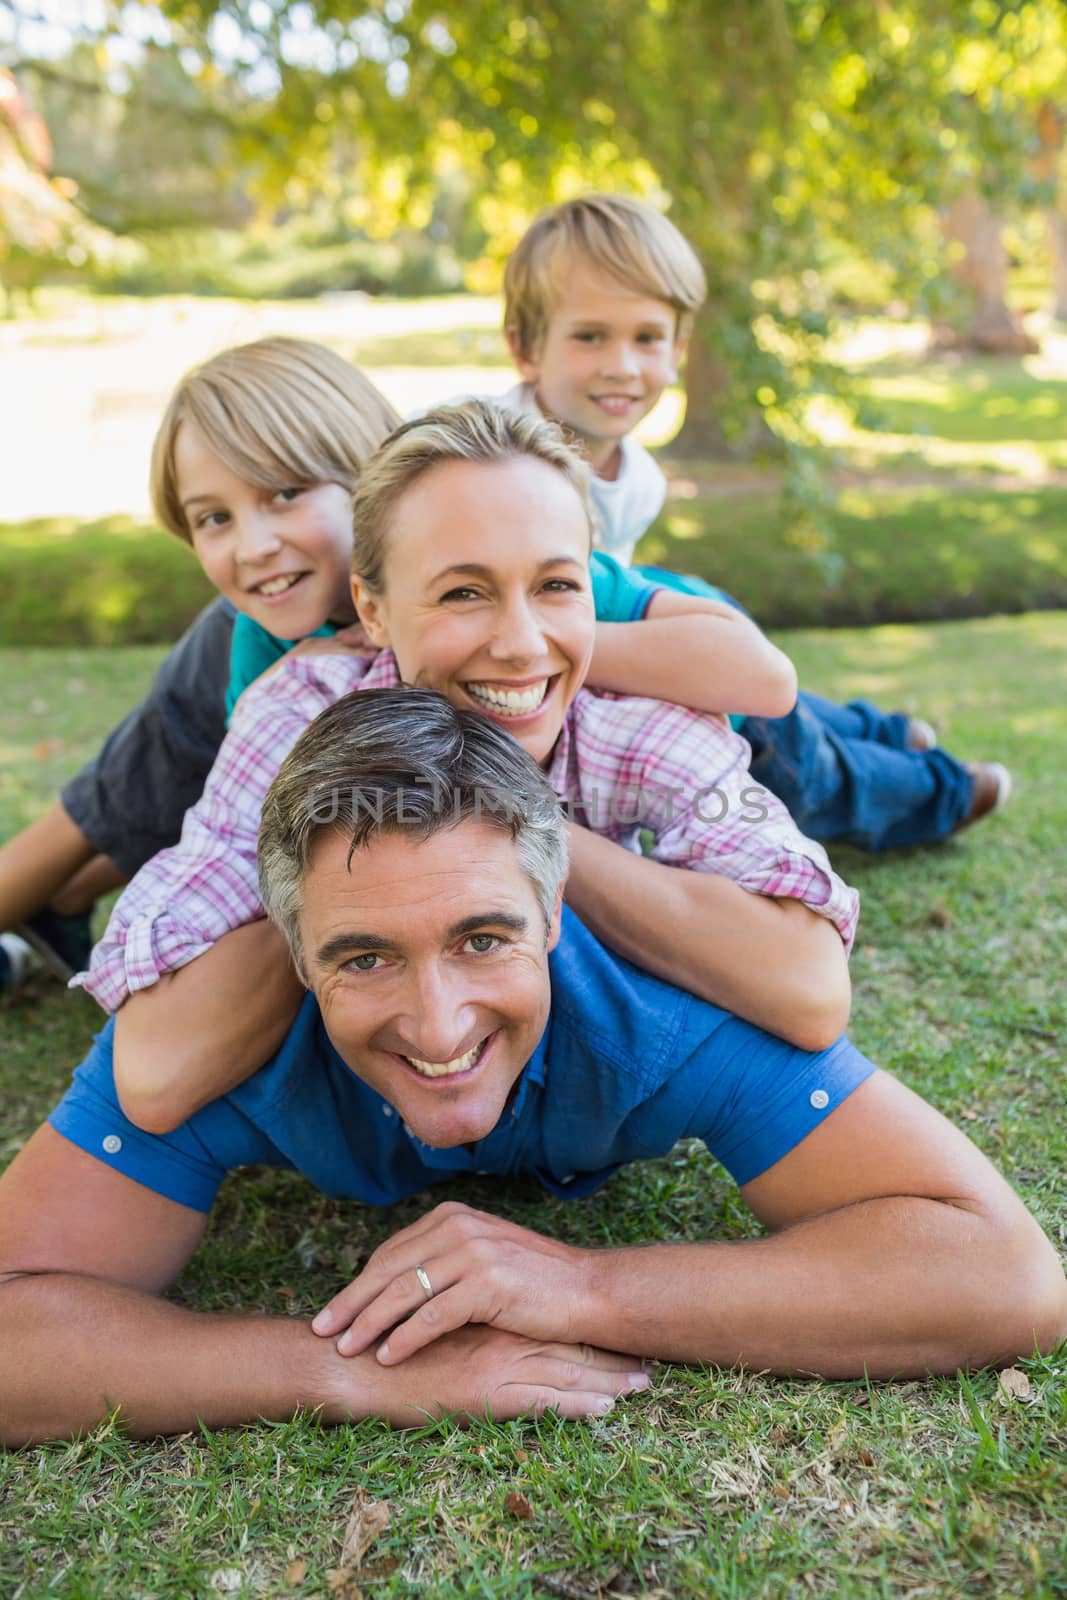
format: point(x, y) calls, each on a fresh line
point(424, 1282)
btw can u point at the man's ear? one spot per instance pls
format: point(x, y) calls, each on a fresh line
point(527, 364)
point(555, 920)
point(369, 608)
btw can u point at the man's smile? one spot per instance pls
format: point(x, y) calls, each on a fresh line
point(463, 1066)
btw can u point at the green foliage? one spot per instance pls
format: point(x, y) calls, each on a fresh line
point(99, 583)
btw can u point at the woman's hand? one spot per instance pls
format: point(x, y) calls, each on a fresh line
point(478, 1269)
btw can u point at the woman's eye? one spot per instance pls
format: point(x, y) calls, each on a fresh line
point(364, 963)
point(562, 586)
point(460, 594)
point(481, 943)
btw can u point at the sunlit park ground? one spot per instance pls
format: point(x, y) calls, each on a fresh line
point(715, 1483)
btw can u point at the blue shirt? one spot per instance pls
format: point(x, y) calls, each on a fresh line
point(620, 594)
point(626, 1067)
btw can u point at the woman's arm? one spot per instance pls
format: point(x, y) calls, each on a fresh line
point(200, 1031)
point(695, 652)
point(772, 962)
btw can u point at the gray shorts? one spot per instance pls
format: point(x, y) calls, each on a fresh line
point(129, 800)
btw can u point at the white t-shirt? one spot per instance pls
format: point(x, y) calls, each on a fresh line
point(625, 506)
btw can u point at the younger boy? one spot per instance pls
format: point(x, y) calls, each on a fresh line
point(600, 296)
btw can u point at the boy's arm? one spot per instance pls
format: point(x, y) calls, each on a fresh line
point(695, 652)
point(200, 1031)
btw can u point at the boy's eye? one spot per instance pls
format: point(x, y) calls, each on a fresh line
point(212, 519)
point(482, 943)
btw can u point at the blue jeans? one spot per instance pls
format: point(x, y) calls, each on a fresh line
point(844, 772)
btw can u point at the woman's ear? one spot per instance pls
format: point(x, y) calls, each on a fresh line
point(369, 610)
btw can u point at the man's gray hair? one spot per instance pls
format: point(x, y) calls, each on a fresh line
point(391, 760)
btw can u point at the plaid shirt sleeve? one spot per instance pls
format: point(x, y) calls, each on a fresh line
point(184, 899)
point(684, 775)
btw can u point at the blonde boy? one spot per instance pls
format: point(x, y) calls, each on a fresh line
point(599, 298)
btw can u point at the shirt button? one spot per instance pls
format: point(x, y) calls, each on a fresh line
point(819, 1099)
point(112, 1144)
point(387, 1111)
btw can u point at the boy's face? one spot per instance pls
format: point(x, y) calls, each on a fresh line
point(606, 357)
point(280, 555)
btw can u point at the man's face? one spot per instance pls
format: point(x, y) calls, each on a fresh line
point(607, 355)
point(429, 960)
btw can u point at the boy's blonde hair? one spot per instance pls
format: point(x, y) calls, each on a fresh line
point(276, 412)
point(626, 239)
point(478, 430)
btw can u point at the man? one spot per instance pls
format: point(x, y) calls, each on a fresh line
point(414, 856)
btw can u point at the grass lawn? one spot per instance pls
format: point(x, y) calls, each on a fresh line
point(713, 1483)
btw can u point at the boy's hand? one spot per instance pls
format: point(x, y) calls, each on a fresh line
point(348, 641)
point(479, 1269)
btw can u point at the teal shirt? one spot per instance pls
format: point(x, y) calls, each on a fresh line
point(620, 594)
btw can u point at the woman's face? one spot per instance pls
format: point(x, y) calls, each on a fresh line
point(281, 555)
point(486, 593)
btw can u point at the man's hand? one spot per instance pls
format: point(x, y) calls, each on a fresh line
point(479, 1372)
point(480, 1269)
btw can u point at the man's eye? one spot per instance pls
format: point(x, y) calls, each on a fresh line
point(364, 963)
point(562, 586)
point(481, 943)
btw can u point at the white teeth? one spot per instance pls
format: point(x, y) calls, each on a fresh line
point(512, 702)
point(446, 1069)
point(277, 585)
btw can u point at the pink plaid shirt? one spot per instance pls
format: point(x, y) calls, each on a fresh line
point(621, 765)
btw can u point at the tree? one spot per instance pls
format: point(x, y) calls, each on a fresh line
point(769, 127)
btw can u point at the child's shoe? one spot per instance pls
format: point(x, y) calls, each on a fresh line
point(922, 735)
point(63, 943)
point(992, 790)
point(14, 961)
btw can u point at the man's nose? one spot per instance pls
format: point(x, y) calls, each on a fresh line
point(257, 537)
point(441, 1021)
point(517, 635)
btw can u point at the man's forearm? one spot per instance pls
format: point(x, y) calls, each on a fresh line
point(74, 1348)
point(890, 1287)
point(705, 934)
point(200, 1031)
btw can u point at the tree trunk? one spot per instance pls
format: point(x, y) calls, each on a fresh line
point(707, 383)
point(1057, 242)
point(707, 396)
point(979, 265)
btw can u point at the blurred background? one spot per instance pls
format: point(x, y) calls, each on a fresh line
point(872, 427)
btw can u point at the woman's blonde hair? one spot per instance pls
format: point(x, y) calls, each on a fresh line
point(276, 412)
point(478, 430)
point(624, 238)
